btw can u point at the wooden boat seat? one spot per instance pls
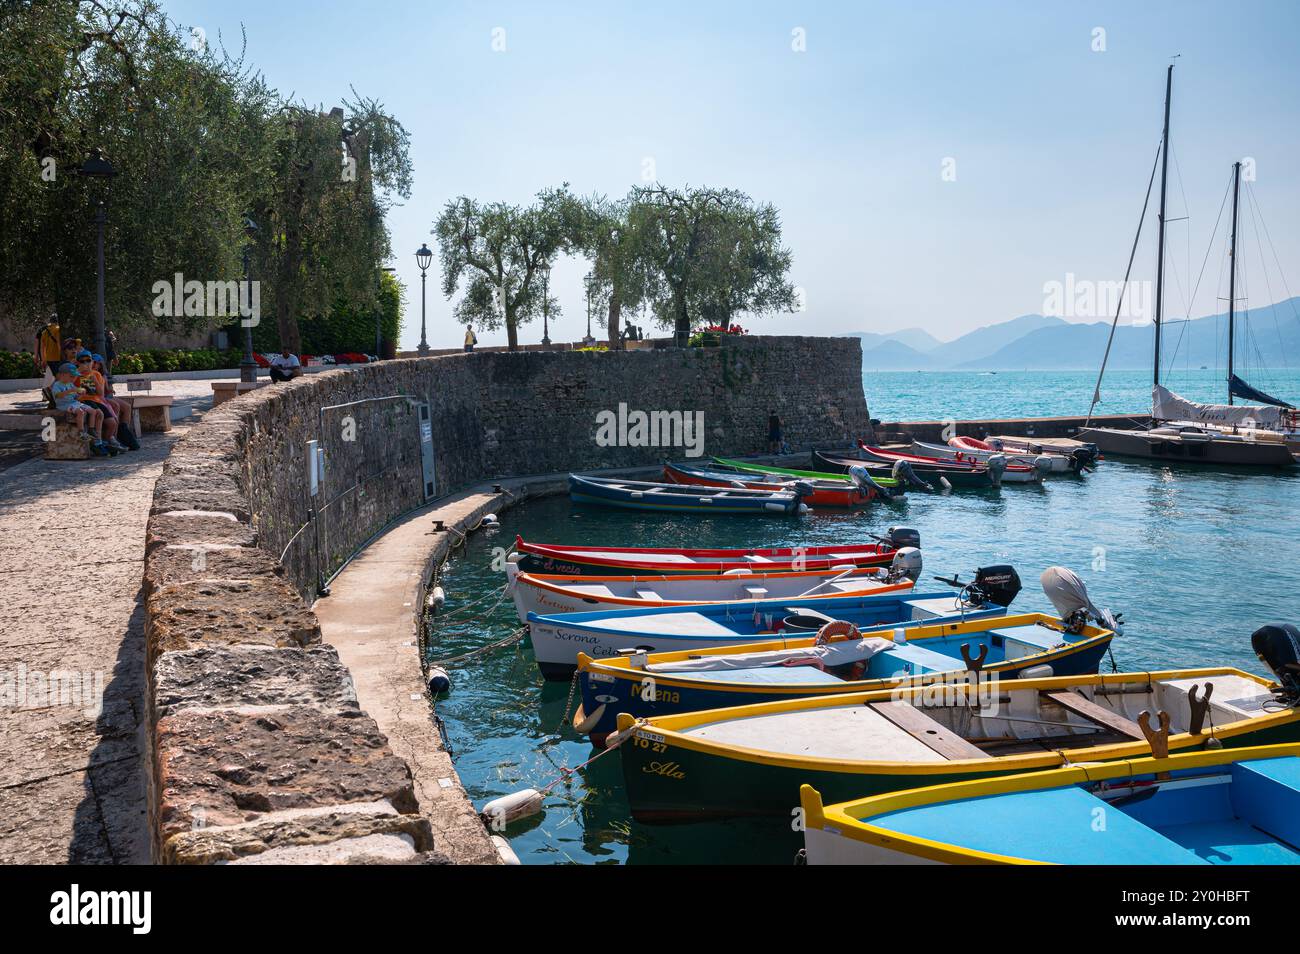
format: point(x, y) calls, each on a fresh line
point(920, 659)
point(645, 594)
point(1073, 702)
point(927, 731)
point(755, 558)
point(756, 592)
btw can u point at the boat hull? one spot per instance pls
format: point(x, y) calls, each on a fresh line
point(957, 476)
point(607, 692)
point(1144, 445)
point(846, 497)
point(558, 639)
point(583, 561)
point(676, 498)
point(673, 778)
point(1053, 463)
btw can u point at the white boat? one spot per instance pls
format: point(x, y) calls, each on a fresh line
point(550, 593)
point(1043, 463)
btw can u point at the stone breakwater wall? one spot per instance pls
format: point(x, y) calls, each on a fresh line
point(258, 748)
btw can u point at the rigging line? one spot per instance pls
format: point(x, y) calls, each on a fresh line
point(1096, 391)
point(1187, 214)
point(1209, 246)
point(1257, 216)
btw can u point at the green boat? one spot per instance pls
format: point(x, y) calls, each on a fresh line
point(740, 465)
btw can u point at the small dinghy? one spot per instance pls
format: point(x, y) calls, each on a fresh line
point(815, 492)
point(683, 498)
point(550, 593)
point(1000, 468)
point(928, 477)
point(887, 487)
point(752, 760)
point(558, 638)
point(615, 561)
point(1220, 807)
point(965, 448)
point(1011, 646)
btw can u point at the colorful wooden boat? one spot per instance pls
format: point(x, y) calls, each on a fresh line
point(551, 593)
point(752, 760)
point(682, 498)
point(558, 638)
point(814, 492)
point(667, 683)
point(1078, 455)
point(908, 474)
point(966, 450)
point(611, 561)
point(1010, 473)
point(885, 482)
point(1219, 807)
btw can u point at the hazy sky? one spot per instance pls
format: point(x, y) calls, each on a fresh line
point(1051, 141)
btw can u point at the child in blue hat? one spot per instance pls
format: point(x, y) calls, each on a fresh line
point(67, 399)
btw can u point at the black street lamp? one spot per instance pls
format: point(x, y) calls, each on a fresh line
point(423, 258)
point(97, 167)
point(546, 306)
point(248, 366)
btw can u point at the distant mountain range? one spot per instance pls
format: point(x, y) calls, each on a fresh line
point(1269, 336)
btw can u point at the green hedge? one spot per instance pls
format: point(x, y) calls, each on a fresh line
point(21, 365)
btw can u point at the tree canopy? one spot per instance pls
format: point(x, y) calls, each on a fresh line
point(200, 142)
point(693, 254)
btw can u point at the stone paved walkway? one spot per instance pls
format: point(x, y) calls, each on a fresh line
point(72, 537)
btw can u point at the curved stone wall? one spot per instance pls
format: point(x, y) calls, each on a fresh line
point(259, 750)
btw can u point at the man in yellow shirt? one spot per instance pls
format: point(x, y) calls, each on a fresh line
point(48, 353)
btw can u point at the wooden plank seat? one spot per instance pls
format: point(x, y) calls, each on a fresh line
point(932, 734)
point(1073, 702)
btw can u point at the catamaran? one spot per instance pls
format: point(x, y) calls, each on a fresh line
point(1183, 431)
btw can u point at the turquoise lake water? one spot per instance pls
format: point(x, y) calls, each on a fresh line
point(1196, 560)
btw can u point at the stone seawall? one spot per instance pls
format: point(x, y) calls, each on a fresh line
point(258, 748)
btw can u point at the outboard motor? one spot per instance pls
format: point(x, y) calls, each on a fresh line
point(1043, 465)
point(803, 488)
point(1070, 597)
point(1278, 647)
point(992, 584)
point(903, 472)
point(997, 464)
point(906, 565)
point(1083, 458)
point(863, 480)
point(996, 444)
point(900, 537)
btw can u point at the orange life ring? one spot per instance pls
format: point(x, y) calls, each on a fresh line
point(838, 627)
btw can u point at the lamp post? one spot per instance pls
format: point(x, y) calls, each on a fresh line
point(97, 167)
point(423, 257)
point(248, 366)
point(546, 306)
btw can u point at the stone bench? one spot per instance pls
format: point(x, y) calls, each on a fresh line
point(66, 444)
point(223, 391)
point(153, 412)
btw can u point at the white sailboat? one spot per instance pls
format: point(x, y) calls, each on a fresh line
point(1183, 431)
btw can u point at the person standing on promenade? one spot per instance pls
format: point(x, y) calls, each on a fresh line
point(471, 339)
point(774, 437)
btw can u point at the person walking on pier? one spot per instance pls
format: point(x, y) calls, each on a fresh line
point(471, 339)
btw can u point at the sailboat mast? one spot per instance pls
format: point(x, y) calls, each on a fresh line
point(1160, 240)
point(1232, 274)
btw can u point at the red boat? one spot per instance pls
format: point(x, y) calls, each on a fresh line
point(815, 493)
point(607, 561)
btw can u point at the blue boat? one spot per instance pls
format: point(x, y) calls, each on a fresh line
point(559, 638)
point(1217, 807)
point(682, 498)
point(1010, 646)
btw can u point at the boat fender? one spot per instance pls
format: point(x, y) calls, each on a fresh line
point(490, 520)
point(900, 636)
point(500, 812)
point(803, 508)
point(1043, 465)
point(438, 680)
point(1042, 671)
point(505, 852)
point(944, 482)
point(774, 507)
point(997, 464)
point(588, 724)
point(437, 598)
